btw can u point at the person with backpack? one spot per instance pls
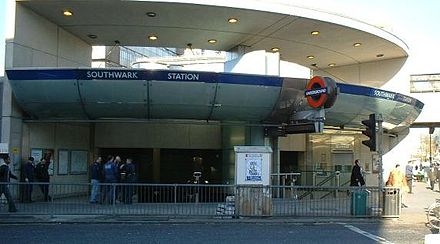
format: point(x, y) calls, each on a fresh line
point(42, 175)
point(5, 175)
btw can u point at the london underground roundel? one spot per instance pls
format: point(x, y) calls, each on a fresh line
point(321, 92)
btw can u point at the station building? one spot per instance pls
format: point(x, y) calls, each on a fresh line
point(173, 122)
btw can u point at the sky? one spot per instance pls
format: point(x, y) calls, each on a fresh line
point(416, 22)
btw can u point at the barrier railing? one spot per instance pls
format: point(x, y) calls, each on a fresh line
point(175, 200)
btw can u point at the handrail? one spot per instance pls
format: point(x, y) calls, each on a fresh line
point(330, 177)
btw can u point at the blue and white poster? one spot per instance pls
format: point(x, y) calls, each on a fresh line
point(254, 163)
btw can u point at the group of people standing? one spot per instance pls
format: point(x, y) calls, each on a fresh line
point(31, 173)
point(36, 173)
point(114, 170)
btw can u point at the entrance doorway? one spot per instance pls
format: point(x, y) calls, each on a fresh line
point(179, 165)
point(343, 162)
point(289, 162)
point(176, 165)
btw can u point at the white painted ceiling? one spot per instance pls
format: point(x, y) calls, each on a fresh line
point(177, 24)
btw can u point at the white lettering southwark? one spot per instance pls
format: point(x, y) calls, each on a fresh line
point(183, 76)
point(112, 74)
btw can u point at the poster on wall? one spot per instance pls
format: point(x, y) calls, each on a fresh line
point(254, 163)
point(63, 162)
point(78, 162)
point(37, 154)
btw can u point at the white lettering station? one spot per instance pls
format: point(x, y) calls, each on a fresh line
point(252, 177)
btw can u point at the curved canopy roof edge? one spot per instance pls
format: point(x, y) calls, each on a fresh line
point(305, 12)
point(261, 25)
point(93, 94)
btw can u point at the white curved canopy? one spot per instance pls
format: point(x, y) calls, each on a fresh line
point(261, 26)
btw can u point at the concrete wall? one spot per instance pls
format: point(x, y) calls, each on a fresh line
point(140, 135)
point(58, 136)
point(293, 143)
point(37, 42)
point(33, 41)
point(81, 136)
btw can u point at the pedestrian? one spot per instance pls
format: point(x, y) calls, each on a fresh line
point(398, 179)
point(29, 178)
point(356, 178)
point(95, 177)
point(130, 178)
point(5, 175)
point(119, 164)
point(433, 176)
point(409, 174)
point(111, 177)
point(42, 176)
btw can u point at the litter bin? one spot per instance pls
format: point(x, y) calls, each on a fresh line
point(359, 202)
point(391, 202)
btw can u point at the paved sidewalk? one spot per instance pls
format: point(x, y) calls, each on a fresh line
point(418, 203)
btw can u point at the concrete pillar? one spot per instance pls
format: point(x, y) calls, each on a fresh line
point(255, 136)
point(11, 131)
point(231, 136)
point(276, 169)
point(238, 135)
point(255, 62)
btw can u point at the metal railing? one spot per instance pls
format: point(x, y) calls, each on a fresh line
point(174, 200)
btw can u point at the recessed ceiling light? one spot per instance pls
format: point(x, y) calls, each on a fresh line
point(150, 14)
point(67, 13)
point(152, 38)
point(275, 49)
point(310, 57)
point(212, 41)
point(314, 33)
point(314, 64)
point(380, 55)
point(91, 36)
point(357, 44)
point(331, 65)
point(232, 20)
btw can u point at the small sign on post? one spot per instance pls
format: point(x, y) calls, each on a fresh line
point(252, 165)
point(252, 177)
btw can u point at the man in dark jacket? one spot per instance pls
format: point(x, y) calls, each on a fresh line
point(129, 170)
point(42, 175)
point(5, 175)
point(96, 171)
point(111, 176)
point(29, 178)
point(356, 176)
